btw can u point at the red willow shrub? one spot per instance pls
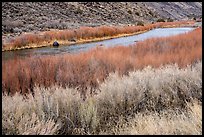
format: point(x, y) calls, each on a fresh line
point(86, 33)
point(86, 70)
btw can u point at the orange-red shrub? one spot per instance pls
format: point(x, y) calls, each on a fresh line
point(87, 33)
point(90, 68)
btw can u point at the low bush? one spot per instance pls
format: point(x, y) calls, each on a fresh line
point(170, 20)
point(89, 69)
point(158, 97)
point(161, 20)
point(129, 11)
point(140, 23)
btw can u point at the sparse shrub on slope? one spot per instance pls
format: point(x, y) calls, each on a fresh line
point(161, 20)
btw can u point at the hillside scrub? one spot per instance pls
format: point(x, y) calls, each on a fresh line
point(144, 102)
point(31, 40)
point(18, 17)
point(89, 69)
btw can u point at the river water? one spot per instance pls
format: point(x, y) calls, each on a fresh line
point(125, 41)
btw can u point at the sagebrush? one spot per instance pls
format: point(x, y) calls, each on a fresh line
point(57, 110)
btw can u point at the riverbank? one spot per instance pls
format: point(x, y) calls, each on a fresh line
point(89, 68)
point(67, 43)
point(87, 93)
point(85, 35)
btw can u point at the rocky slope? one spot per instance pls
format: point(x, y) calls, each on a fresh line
point(18, 17)
point(177, 10)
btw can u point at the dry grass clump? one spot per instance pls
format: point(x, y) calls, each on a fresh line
point(154, 89)
point(169, 122)
point(84, 33)
point(58, 110)
point(90, 68)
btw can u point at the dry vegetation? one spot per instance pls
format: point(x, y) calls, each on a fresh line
point(83, 33)
point(152, 87)
point(165, 100)
point(91, 68)
point(168, 122)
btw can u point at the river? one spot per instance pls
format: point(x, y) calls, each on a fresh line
point(125, 41)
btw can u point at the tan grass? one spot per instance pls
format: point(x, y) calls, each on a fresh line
point(168, 122)
point(57, 110)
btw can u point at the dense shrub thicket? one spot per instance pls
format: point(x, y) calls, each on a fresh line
point(90, 68)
